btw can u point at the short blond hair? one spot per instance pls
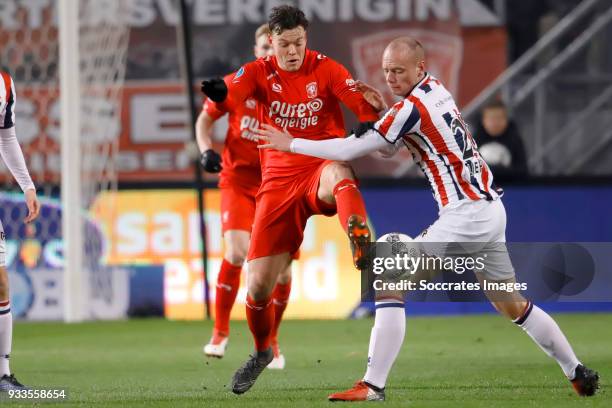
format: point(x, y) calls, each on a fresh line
point(411, 43)
point(263, 29)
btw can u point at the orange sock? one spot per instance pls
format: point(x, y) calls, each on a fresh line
point(228, 283)
point(260, 316)
point(280, 299)
point(348, 201)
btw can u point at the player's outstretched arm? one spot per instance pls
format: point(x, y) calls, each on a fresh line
point(339, 149)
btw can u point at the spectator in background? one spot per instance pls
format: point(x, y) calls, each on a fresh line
point(500, 144)
point(527, 21)
point(522, 23)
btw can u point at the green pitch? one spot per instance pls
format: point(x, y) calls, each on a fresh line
point(478, 361)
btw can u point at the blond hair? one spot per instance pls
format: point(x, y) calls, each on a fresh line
point(411, 43)
point(263, 29)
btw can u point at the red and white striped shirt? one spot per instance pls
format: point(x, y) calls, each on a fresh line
point(7, 101)
point(429, 123)
point(10, 151)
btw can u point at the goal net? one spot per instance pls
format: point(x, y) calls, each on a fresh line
point(68, 122)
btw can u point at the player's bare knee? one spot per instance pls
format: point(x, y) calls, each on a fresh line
point(235, 255)
point(338, 171)
point(285, 276)
point(263, 274)
point(509, 304)
point(331, 175)
point(260, 289)
point(236, 246)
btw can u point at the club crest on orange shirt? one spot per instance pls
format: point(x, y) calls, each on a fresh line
point(311, 90)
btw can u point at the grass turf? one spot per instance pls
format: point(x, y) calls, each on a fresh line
point(475, 361)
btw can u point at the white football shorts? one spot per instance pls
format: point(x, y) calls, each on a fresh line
point(471, 228)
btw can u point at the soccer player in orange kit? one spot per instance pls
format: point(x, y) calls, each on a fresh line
point(299, 90)
point(239, 180)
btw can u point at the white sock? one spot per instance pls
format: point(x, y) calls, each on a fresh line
point(385, 341)
point(6, 336)
point(547, 334)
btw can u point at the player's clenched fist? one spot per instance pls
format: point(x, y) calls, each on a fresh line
point(211, 161)
point(215, 89)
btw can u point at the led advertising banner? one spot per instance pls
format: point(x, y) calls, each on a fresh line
point(143, 252)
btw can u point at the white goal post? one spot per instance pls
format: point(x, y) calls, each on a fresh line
point(93, 44)
point(69, 74)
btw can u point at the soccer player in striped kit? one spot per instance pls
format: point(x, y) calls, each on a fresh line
point(429, 124)
point(13, 158)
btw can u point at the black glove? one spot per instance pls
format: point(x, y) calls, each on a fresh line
point(211, 161)
point(362, 128)
point(215, 89)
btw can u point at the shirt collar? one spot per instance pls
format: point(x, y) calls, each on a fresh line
point(421, 82)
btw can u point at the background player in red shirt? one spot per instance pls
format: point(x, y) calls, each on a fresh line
point(299, 90)
point(239, 180)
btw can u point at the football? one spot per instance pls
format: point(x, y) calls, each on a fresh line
point(390, 245)
point(393, 237)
